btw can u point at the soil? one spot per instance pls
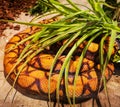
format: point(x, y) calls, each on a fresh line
point(10, 9)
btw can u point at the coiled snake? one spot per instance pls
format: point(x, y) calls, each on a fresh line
point(33, 80)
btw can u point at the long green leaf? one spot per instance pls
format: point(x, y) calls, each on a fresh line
point(81, 60)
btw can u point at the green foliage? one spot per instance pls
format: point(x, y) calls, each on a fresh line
point(41, 6)
point(112, 9)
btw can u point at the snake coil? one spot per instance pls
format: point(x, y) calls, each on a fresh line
point(33, 79)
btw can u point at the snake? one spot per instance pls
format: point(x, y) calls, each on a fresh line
point(33, 79)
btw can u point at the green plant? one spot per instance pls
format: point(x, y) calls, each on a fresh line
point(41, 6)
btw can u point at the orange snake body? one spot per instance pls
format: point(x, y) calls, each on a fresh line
point(33, 79)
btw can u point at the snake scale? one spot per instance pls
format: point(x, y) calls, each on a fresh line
point(33, 79)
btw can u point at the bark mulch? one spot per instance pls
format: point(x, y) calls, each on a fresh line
point(10, 9)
